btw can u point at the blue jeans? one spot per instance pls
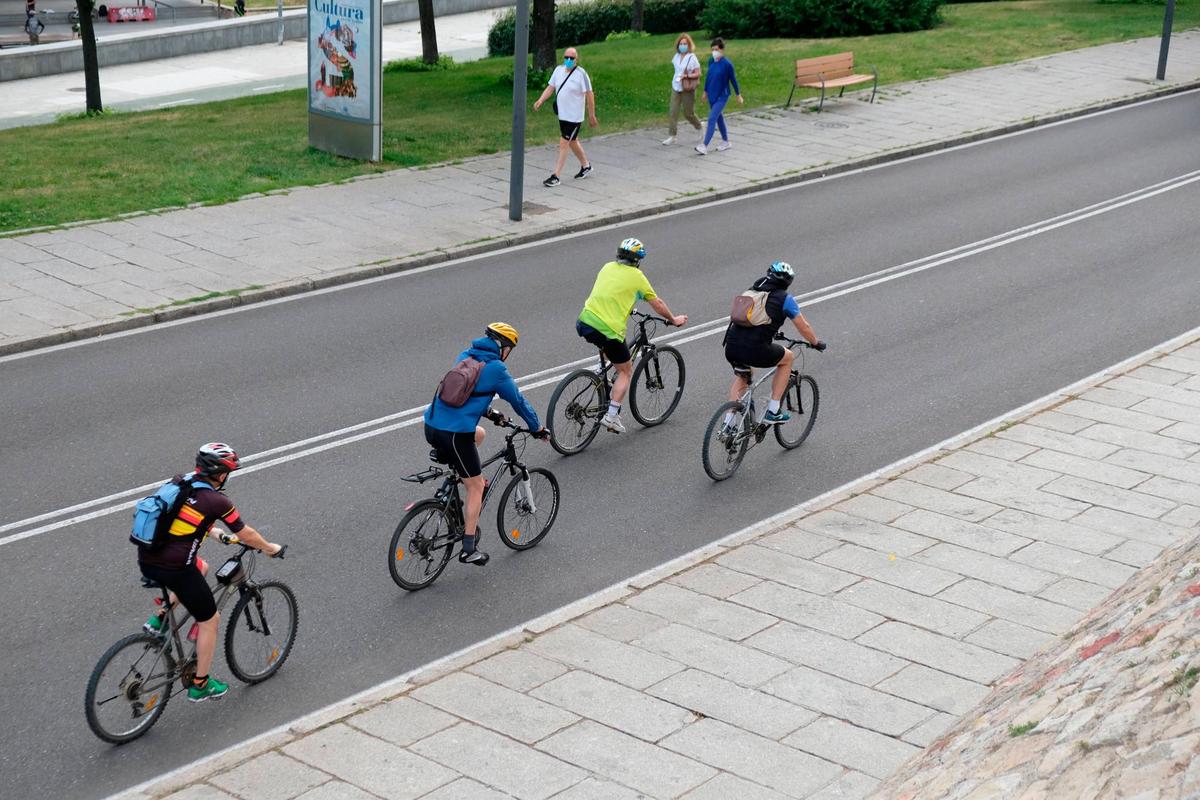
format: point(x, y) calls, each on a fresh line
point(716, 117)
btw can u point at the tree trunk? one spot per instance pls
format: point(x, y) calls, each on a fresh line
point(91, 63)
point(636, 23)
point(542, 34)
point(429, 49)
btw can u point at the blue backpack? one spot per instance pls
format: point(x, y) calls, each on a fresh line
point(153, 515)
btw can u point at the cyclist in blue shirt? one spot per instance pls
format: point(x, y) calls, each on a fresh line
point(455, 433)
point(748, 347)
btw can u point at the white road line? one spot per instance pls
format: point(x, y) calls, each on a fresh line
point(568, 236)
point(374, 694)
point(370, 428)
point(184, 101)
point(272, 87)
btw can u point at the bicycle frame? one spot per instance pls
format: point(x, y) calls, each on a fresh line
point(746, 399)
point(641, 344)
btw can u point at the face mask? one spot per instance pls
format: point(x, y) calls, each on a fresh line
point(568, 62)
point(718, 55)
point(683, 48)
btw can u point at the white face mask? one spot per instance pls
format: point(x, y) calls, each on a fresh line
point(718, 55)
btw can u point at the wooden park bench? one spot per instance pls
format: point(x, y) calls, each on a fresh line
point(830, 72)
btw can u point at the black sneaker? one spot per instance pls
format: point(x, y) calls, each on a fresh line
point(584, 171)
point(551, 181)
point(476, 557)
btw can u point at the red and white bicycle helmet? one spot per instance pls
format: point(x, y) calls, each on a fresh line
point(215, 458)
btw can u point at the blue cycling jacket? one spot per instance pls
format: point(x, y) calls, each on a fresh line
point(494, 379)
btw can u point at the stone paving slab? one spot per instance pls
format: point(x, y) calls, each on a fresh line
point(809, 658)
point(84, 280)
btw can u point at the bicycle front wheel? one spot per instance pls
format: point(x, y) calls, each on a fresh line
point(801, 401)
point(420, 546)
point(575, 409)
point(129, 688)
point(657, 386)
point(262, 630)
point(528, 510)
point(725, 445)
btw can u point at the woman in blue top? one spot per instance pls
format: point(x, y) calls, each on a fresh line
point(716, 92)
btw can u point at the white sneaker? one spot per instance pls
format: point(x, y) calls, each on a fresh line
point(724, 145)
point(614, 424)
point(669, 140)
point(701, 149)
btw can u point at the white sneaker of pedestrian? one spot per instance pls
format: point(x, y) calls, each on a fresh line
point(669, 140)
point(724, 145)
point(701, 149)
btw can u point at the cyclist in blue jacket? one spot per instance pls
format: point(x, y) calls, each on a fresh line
point(455, 433)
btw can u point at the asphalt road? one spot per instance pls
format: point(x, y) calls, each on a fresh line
point(911, 361)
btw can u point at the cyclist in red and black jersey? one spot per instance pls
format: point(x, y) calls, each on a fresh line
point(178, 566)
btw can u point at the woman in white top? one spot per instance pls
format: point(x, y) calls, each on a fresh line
point(683, 85)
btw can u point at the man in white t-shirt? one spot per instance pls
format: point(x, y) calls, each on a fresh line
point(573, 90)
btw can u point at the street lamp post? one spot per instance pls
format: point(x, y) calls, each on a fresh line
point(516, 177)
point(1168, 18)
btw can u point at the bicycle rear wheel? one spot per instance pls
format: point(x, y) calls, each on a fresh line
point(129, 688)
point(725, 445)
point(801, 401)
point(421, 546)
point(575, 409)
point(657, 386)
point(262, 630)
point(527, 511)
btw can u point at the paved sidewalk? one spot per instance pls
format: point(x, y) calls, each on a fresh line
point(810, 659)
point(62, 284)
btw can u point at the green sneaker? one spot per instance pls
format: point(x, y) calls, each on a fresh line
point(212, 689)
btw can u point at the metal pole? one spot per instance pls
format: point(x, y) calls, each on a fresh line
point(516, 174)
point(279, 7)
point(1168, 18)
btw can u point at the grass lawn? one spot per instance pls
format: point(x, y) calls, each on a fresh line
point(83, 168)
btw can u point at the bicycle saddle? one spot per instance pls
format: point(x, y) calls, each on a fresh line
point(437, 459)
point(147, 583)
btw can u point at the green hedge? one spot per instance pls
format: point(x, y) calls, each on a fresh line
point(817, 18)
point(580, 23)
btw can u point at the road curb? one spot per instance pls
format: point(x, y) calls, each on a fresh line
point(496, 245)
point(516, 635)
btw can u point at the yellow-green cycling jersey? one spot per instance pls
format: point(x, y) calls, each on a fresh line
point(617, 290)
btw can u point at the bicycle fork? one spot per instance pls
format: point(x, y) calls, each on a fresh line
point(525, 492)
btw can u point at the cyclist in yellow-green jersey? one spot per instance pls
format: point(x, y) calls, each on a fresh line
point(618, 288)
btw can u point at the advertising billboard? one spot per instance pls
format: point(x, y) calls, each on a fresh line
point(344, 75)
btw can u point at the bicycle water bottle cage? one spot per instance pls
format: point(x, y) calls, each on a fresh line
point(230, 572)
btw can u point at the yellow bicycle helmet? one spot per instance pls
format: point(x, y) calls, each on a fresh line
point(503, 333)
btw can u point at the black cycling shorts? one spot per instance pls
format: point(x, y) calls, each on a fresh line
point(615, 350)
point(189, 586)
point(569, 131)
point(743, 357)
point(456, 449)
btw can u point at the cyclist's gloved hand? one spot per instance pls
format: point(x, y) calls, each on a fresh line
point(543, 433)
point(820, 346)
point(276, 550)
point(227, 538)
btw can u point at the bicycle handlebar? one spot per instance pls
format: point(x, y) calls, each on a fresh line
point(793, 342)
point(652, 318)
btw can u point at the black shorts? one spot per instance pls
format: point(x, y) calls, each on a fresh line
point(569, 130)
point(189, 586)
point(615, 350)
point(743, 357)
point(456, 449)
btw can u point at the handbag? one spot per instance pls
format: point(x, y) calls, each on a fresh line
point(559, 89)
point(688, 81)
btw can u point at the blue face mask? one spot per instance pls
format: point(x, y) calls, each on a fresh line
point(683, 48)
point(568, 62)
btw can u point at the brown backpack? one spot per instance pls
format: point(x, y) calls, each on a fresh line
point(458, 385)
point(750, 309)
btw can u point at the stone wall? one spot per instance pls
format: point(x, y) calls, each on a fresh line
point(1112, 710)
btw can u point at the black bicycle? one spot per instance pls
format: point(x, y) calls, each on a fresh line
point(425, 538)
point(581, 398)
point(137, 676)
point(726, 443)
